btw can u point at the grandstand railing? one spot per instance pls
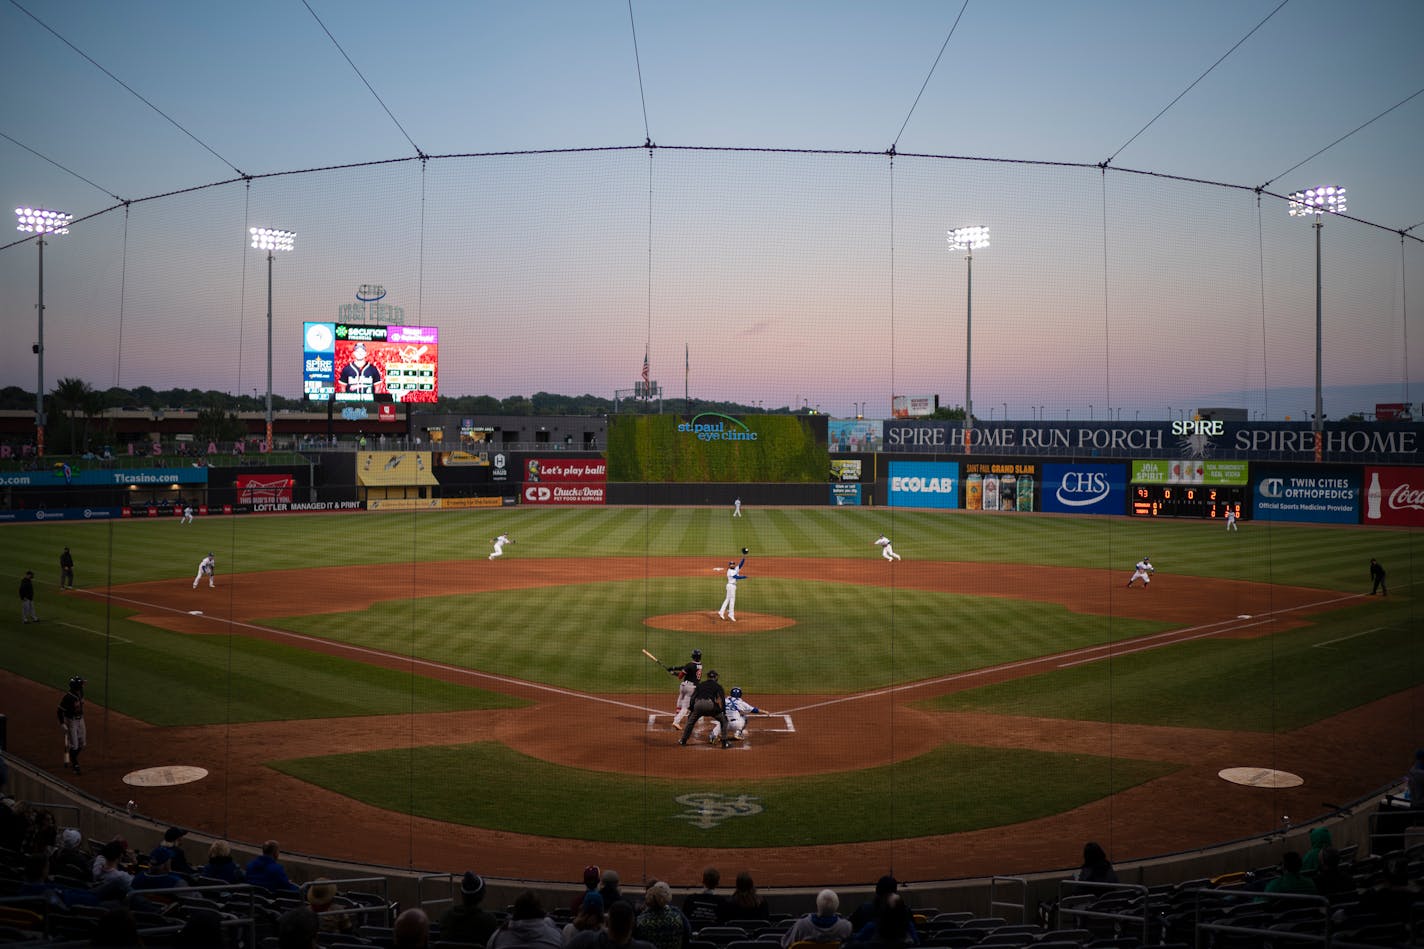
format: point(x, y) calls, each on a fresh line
point(1207, 899)
point(1077, 905)
point(1019, 906)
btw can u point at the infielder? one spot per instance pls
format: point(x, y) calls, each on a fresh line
point(728, 610)
point(499, 543)
point(737, 507)
point(737, 711)
point(71, 719)
point(1231, 518)
point(886, 550)
point(688, 676)
point(205, 569)
point(187, 515)
point(1142, 572)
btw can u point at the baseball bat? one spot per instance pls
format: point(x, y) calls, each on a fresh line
point(659, 662)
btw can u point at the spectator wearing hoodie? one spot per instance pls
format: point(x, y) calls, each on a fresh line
point(527, 928)
point(824, 925)
point(266, 871)
point(467, 920)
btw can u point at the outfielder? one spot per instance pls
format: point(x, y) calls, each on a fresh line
point(737, 711)
point(187, 515)
point(1231, 518)
point(728, 610)
point(736, 507)
point(205, 569)
point(886, 550)
point(71, 719)
point(499, 543)
point(1142, 572)
point(688, 675)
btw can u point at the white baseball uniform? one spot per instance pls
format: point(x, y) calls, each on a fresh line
point(737, 507)
point(499, 543)
point(1230, 519)
point(737, 711)
point(1141, 571)
point(187, 516)
point(886, 550)
point(205, 569)
point(728, 610)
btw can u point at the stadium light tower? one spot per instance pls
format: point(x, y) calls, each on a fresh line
point(968, 239)
point(1316, 203)
point(39, 222)
point(271, 240)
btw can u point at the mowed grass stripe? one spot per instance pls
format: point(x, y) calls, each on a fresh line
point(952, 789)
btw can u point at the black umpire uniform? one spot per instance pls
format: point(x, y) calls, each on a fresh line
point(709, 701)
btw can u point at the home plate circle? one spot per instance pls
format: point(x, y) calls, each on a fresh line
point(1261, 777)
point(165, 776)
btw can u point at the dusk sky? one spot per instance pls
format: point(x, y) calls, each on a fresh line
point(788, 277)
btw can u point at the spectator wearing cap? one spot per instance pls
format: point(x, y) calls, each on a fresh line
point(467, 920)
point(527, 927)
point(412, 929)
point(744, 902)
point(321, 897)
point(867, 912)
point(700, 908)
point(608, 888)
point(158, 875)
point(591, 879)
point(266, 871)
point(220, 865)
point(824, 925)
point(68, 859)
point(589, 918)
point(661, 923)
point(173, 840)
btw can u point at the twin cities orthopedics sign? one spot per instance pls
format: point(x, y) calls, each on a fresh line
point(924, 484)
point(1084, 489)
point(1306, 494)
point(1394, 497)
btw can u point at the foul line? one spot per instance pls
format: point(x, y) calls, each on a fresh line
point(86, 629)
point(1351, 636)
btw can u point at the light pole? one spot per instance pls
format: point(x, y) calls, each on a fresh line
point(271, 240)
point(968, 239)
point(1090, 411)
point(39, 221)
point(1006, 411)
point(1316, 203)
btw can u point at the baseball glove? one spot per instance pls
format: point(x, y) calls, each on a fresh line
point(745, 551)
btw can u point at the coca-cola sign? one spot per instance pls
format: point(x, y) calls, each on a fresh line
point(1394, 497)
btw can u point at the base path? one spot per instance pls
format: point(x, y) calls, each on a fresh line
point(1340, 758)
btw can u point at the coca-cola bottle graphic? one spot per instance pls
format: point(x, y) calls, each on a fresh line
point(1372, 498)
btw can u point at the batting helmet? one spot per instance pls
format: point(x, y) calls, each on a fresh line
point(697, 655)
point(712, 674)
point(76, 683)
point(736, 691)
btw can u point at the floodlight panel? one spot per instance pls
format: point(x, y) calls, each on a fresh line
point(271, 238)
point(42, 221)
point(1324, 199)
point(969, 238)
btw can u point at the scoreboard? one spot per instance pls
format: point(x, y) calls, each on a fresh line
point(1189, 500)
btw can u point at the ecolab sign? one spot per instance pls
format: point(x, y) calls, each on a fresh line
point(924, 484)
point(1084, 489)
point(1394, 497)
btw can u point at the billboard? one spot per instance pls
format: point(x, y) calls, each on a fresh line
point(843, 494)
point(1000, 486)
point(1190, 471)
point(265, 488)
point(913, 406)
point(1306, 494)
point(570, 492)
point(1394, 497)
point(565, 469)
point(355, 362)
point(854, 434)
point(924, 484)
point(1084, 489)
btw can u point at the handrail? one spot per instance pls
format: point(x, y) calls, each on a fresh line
point(1021, 906)
point(1065, 892)
point(1259, 897)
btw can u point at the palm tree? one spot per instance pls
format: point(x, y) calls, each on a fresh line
point(70, 395)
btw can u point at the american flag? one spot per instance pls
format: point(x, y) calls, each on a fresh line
point(645, 367)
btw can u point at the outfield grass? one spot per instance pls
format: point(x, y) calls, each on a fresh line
point(951, 789)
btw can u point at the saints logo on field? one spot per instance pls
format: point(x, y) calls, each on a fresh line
point(707, 810)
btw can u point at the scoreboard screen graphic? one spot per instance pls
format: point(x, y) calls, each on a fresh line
point(1195, 500)
point(361, 362)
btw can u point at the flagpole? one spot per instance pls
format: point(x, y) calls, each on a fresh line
point(686, 372)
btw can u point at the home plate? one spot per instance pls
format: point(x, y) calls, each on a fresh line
point(166, 776)
point(1261, 777)
point(1243, 615)
point(195, 612)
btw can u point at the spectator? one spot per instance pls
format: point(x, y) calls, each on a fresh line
point(894, 926)
point(38, 883)
point(467, 921)
point(744, 902)
point(68, 859)
point(321, 897)
point(1415, 780)
point(661, 923)
point(824, 925)
point(1290, 880)
point(220, 865)
point(159, 874)
point(412, 929)
point(111, 881)
point(527, 927)
point(1319, 840)
point(265, 871)
point(123, 858)
point(173, 840)
point(116, 928)
point(1096, 868)
point(867, 912)
point(297, 929)
point(590, 885)
point(609, 888)
point(619, 932)
point(589, 918)
point(1331, 880)
point(701, 908)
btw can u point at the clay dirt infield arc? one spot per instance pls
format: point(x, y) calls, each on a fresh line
point(243, 799)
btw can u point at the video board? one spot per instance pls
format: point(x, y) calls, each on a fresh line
point(361, 362)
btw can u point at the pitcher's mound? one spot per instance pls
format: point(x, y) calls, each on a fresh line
point(699, 621)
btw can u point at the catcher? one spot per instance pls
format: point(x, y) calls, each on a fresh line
point(737, 710)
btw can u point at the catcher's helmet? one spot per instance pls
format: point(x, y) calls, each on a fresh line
point(76, 682)
point(736, 691)
point(697, 655)
point(712, 674)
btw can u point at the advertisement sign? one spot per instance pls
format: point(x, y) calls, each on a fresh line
point(913, 406)
point(403, 504)
point(843, 494)
point(1084, 489)
point(854, 434)
point(1304, 494)
point(1190, 471)
point(292, 507)
point(356, 362)
point(845, 469)
point(565, 493)
point(265, 488)
point(1390, 411)
point(924, 484)
point(565, 469)
point(101, 477)
point(394, 468)
point(462, 503)
point(1000, 486)
point(63, 514)
point(1394, 497)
